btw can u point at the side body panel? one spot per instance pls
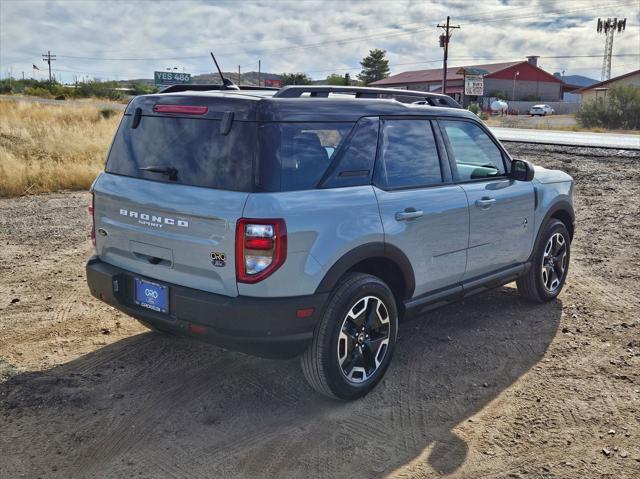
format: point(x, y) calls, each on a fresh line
point(551, 195)
point(322, 226)
point(436, 242)
point(502, 232)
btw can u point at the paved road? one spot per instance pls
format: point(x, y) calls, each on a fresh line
point(573, 138)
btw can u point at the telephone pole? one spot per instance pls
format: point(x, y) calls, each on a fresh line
point(609, 27)
point(444, 43)
point(48, 57)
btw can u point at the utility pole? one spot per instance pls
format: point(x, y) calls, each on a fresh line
point(239, 75)
point(48, 57)
point(259, 68)
point(609, 27)
point(444, 43)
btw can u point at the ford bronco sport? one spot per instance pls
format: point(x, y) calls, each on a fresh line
point(308, 221)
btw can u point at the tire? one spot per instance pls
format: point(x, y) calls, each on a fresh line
point(549, 266)
point(344, 361)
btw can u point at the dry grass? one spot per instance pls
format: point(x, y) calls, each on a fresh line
point(47, 148)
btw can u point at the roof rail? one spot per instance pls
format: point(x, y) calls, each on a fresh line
point(203, 87)
point(410, 96)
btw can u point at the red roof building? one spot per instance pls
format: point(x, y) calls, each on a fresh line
point(519, 80)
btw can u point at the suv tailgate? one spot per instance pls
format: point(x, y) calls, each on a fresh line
point(168, 231)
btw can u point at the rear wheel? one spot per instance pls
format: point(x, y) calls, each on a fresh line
point(354, 341)
point(550, 265)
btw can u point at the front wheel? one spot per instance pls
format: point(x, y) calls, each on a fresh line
point(354, 341)
point(550, 264)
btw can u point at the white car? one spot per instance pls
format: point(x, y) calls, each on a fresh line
point(541, 110)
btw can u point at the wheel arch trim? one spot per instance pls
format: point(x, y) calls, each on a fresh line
point(365, 252)
point(561, 206)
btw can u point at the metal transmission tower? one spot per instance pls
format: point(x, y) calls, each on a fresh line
point(609, 27)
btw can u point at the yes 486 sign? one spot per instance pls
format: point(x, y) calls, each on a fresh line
point(171, 78)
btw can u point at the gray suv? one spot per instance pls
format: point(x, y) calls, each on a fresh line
point(310, 220)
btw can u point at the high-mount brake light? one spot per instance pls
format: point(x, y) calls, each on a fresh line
point(261, 248)
point(181, 109)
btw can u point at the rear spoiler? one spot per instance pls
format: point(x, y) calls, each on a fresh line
point(202, 87)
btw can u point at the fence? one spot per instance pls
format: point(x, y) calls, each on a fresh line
point(522, 107)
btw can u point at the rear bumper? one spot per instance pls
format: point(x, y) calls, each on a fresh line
point(266, 327)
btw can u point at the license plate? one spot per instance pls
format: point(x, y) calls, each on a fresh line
point(152, 296)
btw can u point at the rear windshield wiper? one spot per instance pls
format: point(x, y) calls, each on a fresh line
point(169, 171)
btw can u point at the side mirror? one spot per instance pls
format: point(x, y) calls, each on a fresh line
point(521, 170)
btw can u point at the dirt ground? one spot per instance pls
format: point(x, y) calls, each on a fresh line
point(491, 387)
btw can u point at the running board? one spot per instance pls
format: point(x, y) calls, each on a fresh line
point(442, 297)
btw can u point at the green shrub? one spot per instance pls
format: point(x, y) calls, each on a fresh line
point(37, 91)
point(99, 90)
point(620, 109)
point(474, 108)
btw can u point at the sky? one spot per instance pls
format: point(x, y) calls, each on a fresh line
point(117, 40)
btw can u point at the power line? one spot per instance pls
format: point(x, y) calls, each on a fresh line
point(477, 20)
point(444, 43)
point(48, 57)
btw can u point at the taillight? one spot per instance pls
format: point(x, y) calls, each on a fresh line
point(91, 210)
point(181, 109)
point(261, 248)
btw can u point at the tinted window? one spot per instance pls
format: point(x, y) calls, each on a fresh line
point(475, 155)
point(409, 155)
point(295, 156)
point(355, 162)
point(195, 148)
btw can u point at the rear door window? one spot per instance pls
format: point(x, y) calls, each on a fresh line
point(295, 156)
point(195, 148)
point(409, 156)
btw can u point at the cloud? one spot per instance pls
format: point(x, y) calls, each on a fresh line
point(120, 39)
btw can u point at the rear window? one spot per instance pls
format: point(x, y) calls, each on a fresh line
point(295, 156)
point(193, 147)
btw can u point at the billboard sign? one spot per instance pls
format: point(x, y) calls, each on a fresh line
point(273, 83)
point(171, 78)
point(474, 85)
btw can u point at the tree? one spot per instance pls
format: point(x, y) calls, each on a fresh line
point(334, 79)
point(374, 66)
point(295, 79)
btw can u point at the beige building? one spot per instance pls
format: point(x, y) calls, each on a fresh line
point(600, 90)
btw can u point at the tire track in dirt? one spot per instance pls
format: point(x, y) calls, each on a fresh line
point(134, 428)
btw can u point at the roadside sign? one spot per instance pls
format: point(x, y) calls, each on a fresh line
point(474, 85)
point(171, 78)
point(273, 83)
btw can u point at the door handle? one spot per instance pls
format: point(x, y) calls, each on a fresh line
point(408, 214)
point(485, 202)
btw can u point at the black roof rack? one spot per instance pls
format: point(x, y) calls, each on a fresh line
point(409, 96)
point(203, 87)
